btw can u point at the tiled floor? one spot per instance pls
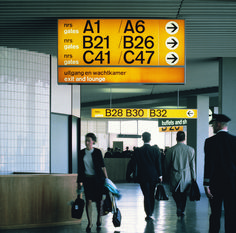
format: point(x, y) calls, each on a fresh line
point(131, 206)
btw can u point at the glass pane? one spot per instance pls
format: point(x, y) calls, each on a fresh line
point(114, 127)
point(152, 128)
point(25, 112)
point(129, 127)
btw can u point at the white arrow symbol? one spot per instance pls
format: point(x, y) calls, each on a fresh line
point(172, 27)
point(172, 58)
point(190, 113)
point(172, 43)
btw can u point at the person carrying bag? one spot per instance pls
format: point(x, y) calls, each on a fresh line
point(77, 208)
point(161, 193)
point(180, 162)
point(194, 194)
point(116, 219)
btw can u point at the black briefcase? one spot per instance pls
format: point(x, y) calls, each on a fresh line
point(77, 208)
point(161, 193)
point(194, 194)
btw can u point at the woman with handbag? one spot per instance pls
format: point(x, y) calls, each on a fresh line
point(91, 175)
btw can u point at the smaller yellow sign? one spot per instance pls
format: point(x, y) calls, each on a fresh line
point(143, 113)
point(171, 129)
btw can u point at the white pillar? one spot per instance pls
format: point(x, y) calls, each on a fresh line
point(227, 91)
point(197, 132)
point(202, 134)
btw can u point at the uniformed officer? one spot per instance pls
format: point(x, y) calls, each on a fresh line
point(220, 174)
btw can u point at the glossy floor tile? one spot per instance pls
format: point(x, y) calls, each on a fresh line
point(133, 217)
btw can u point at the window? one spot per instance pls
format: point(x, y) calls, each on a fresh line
point(24, 111)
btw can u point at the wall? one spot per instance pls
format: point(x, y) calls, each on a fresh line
point(34, 200)
point(65, 105)
point(227, 91)
point(59, 143)
point(24, 111)
point(65, 99)
point(60, 94)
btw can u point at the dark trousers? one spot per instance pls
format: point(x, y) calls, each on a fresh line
point(148, 189)
point(180, 200)
point(228, 198)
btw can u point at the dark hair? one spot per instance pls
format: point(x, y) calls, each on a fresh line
point(180, 136)
point(146, 137)
point(91, 135)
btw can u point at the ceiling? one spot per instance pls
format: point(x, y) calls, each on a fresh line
point(210, 33)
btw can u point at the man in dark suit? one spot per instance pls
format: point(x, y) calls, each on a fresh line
point(220, 174)
point(148, 159)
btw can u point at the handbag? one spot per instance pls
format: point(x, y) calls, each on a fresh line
point(161, 193)
point(77, 208)
point(194, 194)
point(116, 219)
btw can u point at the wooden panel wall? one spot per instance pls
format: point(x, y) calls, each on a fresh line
point(116, 168)
point(36, 200)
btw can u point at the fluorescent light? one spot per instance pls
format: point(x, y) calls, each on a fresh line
point(123, 90)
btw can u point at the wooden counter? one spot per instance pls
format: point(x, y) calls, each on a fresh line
point(36, 200)
point(33, 200)
point(116, 168)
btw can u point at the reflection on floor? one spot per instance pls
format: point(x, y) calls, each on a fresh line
point(133, 217)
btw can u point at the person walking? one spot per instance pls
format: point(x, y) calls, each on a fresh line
point(148, 159)
point(180, 161)
point(91, 175)
point(220, 174)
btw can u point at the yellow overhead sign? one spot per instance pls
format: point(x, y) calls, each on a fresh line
point(120, 42)
point(143, 113)
point(171, 129)
point(123, 43)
